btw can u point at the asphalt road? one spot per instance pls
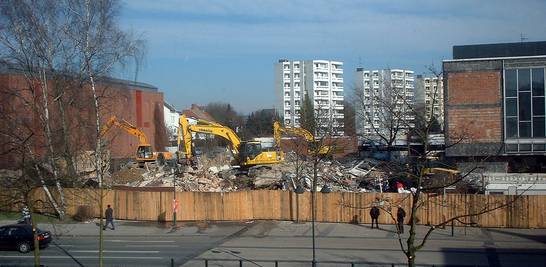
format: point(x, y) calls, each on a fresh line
point(131, 244)
point(261, 243)
point(123, 251)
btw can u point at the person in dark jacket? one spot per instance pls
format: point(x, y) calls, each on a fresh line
point(109, 215)
point(374, 213)
point(400, 215)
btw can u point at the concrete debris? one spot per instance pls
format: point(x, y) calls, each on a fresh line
point(215, 174)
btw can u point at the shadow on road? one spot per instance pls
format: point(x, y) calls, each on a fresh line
point(536, 238)
point(68, 254)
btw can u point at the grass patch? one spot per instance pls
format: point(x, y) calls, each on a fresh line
point(39, 218)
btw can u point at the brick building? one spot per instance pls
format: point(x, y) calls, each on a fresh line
point(494, 106)
point(138, 103)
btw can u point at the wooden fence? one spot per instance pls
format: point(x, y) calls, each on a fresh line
point(523, 212)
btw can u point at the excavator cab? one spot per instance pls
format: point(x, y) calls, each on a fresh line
point(251, 153)
point(144, 152)
point(249, 150)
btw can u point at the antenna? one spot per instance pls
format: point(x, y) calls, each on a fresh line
point(522, 37)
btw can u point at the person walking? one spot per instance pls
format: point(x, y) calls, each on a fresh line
point(400, 215)
point(374, 213)
point(109, 214)
point(25, 212)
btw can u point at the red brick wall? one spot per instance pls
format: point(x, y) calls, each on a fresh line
point(117, 99)
point(478, 87)
point(474, 106)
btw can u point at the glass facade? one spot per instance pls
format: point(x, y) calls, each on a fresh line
point(524, 109)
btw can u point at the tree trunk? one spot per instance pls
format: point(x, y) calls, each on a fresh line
point(52, 200)
point(67, 154)
point(49, 142)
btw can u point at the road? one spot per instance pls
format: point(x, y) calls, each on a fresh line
point(261, 243)
point(131, 244)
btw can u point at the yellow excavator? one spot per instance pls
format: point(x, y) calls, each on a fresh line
point(246, 153)
point(278, 130)
point(144, 151)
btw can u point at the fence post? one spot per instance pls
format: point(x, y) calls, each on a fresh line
point(276, 263)
point(206, 263)
point(172, 262)
point(240, 263)
point(452, 228)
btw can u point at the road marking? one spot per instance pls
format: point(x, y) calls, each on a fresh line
point(86, 257)
point(141, 241)
point(151, 246)
point(115, 251)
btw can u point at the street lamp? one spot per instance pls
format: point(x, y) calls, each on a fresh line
point(299, 190)
point(325, 190)
point(175, 201)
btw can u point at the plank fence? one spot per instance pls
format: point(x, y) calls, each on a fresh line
point(523, 211)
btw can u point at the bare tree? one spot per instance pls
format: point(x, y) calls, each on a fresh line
point(425, 190)
point(383, 110)
point(30, 42)
point(100, 46)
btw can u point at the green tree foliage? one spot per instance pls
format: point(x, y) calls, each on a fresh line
point(260, 123)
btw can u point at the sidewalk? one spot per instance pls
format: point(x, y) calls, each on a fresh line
point(287, 229)
point(135, 228)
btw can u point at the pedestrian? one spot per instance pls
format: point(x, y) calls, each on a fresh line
point(400, 215)
point(374, 213)
point(25, 212)
point(109, 214)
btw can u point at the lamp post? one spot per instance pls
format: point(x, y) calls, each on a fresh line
point(175, 201)
point(299, 190)
point(325, 190)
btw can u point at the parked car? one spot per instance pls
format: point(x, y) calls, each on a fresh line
point(19, 237)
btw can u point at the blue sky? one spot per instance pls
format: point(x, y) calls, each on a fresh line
point(210, 51)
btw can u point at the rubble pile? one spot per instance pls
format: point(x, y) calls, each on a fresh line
point(215, 174)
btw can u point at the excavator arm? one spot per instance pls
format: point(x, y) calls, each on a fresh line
point(185, 130)
point(278, 130)
point(128, 127)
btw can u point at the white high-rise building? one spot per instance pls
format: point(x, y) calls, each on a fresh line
point(385, 104)
point(429, 97)
point(321, 80)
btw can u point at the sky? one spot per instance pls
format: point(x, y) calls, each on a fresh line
point(225, 50)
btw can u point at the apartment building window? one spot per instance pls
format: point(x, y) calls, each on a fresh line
point(287, 113)
point(286, 85)
point(296, 75)
point(296, 94)
point(297, 103)
point(286, 67)
point(287, 76)
point(296, 84)
point(296, 66)
point(524, 104)
point(287, 103)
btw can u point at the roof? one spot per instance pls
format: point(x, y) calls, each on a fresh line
point(9, 68)
point(169, 106)
point(197, 112)
point(499, 50)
